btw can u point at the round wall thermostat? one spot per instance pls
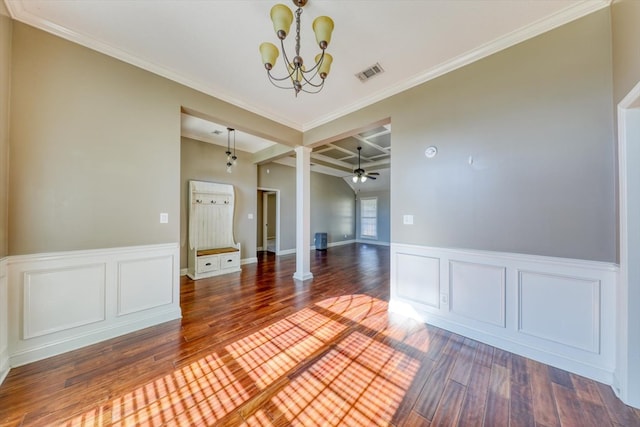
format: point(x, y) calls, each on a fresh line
point(431, 152)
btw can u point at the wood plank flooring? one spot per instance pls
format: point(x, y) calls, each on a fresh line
point(257, 349)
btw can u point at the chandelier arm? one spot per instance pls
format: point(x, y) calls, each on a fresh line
point(320, 86)
point(273, 81)
point(316, 67)
point(279, 79)
point(310, 83)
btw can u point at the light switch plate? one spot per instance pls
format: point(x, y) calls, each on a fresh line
point(407, 219)
point(164, 218)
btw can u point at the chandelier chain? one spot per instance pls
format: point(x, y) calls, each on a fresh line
point(298, 13)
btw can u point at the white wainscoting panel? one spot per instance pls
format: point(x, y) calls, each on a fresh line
point(545, 301)
point(418, 279)
point(4, 321)
point(49, 294)
point(558, 311)
point(63, 301)
point(144, 284)
point(477, 291)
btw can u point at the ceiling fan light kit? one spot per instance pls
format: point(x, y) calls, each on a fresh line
point(360, 175)
point(302, 79)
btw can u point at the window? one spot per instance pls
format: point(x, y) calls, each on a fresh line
point(369, 218)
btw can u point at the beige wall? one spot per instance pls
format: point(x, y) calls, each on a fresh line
point(625, 24)
point(332, 204)
point(5, 90)
point(537, 119)
point(202, 161)
point(95, 147)
point(103, 160)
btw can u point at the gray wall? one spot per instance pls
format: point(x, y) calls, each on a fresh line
point(95, 147)
point(332, 207)
point(384, 215)
point(625, 24)
point(202, 161)
point(538, 120)
point(5, 90)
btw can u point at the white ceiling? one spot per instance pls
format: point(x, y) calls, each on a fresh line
point(212, 45)
point(214, 133)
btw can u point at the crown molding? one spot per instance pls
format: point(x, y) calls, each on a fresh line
point(571, 13)
point(556, 20)
point(18, 13)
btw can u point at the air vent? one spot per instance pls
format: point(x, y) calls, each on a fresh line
point(370, 72)
point(217, 132)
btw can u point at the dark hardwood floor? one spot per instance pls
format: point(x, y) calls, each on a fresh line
point(255, 348)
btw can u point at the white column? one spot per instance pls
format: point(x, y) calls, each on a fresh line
point(303, 214)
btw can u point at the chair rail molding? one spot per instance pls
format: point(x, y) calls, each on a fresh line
point(558, 311)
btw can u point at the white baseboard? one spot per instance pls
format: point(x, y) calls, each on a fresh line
point(259, 249)
point(340, 243)
point(4, 365)
point(183, 271)
point(4, 321)
point(558, 311)
point(373, 242)
point(108, 292)
point(94, 336)
point(313, 247)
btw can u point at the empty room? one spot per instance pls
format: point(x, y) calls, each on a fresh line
point(320, 212)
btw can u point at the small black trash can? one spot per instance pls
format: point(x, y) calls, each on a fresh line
point(321, 241)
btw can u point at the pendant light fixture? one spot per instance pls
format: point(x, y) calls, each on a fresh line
point(302, 78)
point(232, 159)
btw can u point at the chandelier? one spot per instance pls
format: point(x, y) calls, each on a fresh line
point(302, 79)
point(232, 159)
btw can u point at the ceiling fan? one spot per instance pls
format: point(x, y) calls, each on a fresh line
point(360, 174)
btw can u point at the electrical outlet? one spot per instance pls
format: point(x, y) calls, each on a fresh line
point(164, 218)
point(444, 299)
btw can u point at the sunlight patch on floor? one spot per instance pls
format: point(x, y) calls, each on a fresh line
point(358, 379)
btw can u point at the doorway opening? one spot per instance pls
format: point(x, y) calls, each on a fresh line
point(268, 224)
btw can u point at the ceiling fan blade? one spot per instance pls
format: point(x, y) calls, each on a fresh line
point(373, 173)
point(371, 177)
